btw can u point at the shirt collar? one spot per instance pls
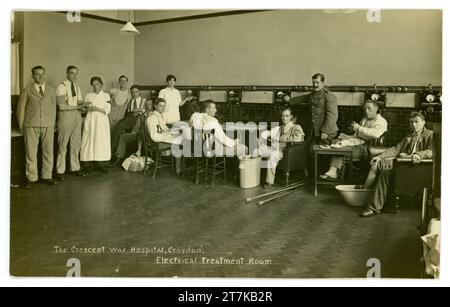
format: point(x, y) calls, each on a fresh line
point(416, 134)
point(36, 86)
point(289, 125)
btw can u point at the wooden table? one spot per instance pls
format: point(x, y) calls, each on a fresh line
point(318, 150)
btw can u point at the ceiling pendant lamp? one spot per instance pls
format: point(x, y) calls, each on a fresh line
point(129, 28)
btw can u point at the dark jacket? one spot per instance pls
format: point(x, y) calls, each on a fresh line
point(424, 146)
point(324, 111)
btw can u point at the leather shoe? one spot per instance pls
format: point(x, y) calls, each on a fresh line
point(48, 181)
point(267, 186)
point(29, 185)
point(368, 213)
point(59, 177)
point(79, 173)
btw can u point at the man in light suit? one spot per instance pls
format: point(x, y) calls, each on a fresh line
point(70, 105)
point(36, 114)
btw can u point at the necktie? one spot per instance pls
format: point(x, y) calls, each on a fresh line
point(41, 91)
point(135, 104)
point(74, 92)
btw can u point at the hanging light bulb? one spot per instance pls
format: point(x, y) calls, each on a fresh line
point(129, 28)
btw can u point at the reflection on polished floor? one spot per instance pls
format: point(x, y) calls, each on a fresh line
point(122, 224)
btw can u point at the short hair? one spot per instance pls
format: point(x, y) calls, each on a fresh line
point(98, 79)
point(71, 67)
point(287, 109)
point(135, 86)
point(415, 114)
point(379, 104)
point(319, 75)
point(37, 68)
point(205, 104)
point(170, 77)
point(158, 100)
point(123, 76)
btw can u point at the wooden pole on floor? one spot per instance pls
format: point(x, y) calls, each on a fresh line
point(287, 188)
point(277, 196)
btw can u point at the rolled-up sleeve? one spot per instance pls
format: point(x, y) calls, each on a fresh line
point(374, 132)
point(107, 104)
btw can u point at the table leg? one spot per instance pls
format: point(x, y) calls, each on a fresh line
point(315, 173)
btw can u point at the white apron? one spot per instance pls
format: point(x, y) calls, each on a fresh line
point(96, 139)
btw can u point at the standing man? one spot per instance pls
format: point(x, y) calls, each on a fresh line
point(70, 103)
point(36, 114)
point(172, 97)
point(120, 98)
point(324, 110)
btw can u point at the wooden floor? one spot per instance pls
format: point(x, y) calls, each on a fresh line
point(299, 236)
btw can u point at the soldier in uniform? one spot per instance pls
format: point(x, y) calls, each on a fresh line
point(324, 110)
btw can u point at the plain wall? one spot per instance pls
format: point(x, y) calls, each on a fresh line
point(95, 47)
point(287, 47)
point(152, 15)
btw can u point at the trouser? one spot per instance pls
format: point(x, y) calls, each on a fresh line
point(359, 152)
point(125, 124)
point(274, 155)
point(381, 190)
point(32, 137)
point(70, 126)
point(125, 139)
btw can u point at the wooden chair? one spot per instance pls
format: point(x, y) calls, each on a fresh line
point(297, 154)
point(155, 148)
point(410, 179)
point(206, 162)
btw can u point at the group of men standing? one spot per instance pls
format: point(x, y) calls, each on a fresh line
point(36, 113)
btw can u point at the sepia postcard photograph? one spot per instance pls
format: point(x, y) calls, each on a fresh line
point(232, 143)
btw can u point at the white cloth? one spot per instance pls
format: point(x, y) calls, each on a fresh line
point(120, 97)
point(172, 97)
point(156, 125)
point(206, 122)
point(65, 89)
point(96, 139)
point(15, 69)
point(432, 248)
point(372, 129)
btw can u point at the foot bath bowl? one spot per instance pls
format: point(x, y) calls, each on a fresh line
point(353, 196)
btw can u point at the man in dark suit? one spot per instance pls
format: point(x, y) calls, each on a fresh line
point(36, 114)
point(418, 145)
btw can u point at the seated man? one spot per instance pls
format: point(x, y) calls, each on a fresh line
point(371, 127)
point(133, 136)
point(136, 106)
point(418, 145)
point(279, 137)
point(207, 121)
point(159, 132)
